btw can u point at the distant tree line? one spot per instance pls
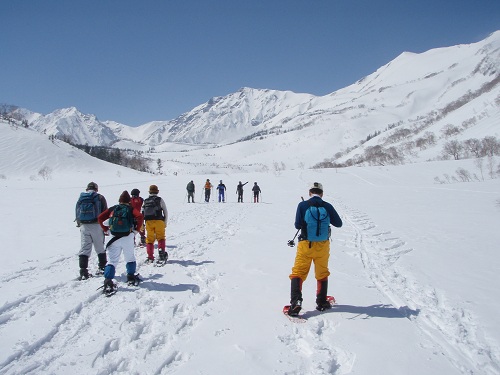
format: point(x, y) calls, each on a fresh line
point(126, 158)
point(477, 148)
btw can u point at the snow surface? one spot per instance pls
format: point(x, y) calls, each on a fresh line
point(414, 271)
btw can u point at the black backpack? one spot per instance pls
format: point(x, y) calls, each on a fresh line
point(152, 208)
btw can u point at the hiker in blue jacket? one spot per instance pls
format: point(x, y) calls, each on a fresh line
point(221, 188)
point(313, 217)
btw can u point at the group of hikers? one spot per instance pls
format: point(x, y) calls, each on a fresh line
point(221, 191)
point(126, 219)
point(122, 221)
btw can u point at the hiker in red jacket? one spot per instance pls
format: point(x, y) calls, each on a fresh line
point(136, 202)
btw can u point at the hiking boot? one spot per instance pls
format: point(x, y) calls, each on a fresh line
point(143, 240)
point(322, 306)
point(84, 274)
point(133, 280)
point(163, 255)
point(295, 308)
point(99, 272)
point(150, 260)
point(109, 287)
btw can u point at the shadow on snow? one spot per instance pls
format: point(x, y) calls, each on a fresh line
point(367, 312)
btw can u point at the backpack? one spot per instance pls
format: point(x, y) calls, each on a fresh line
point(208, 185)
point(88, 207)
point(136, 203)
point(152, 208)
point(317, 223)
point(190, 187)
point(121, 220)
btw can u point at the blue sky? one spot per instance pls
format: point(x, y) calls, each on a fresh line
point(139, 61)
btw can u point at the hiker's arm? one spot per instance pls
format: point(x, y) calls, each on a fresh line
point(104, 204)
point(165, 211)
point(335, 219)
point(102, 218)
point(299, 216)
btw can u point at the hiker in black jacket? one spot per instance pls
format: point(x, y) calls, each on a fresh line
point(239, 191)
point(256, 191)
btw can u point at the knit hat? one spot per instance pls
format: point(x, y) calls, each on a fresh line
point(124, 197)
point(92, 186)
point(316, 186)
point(153, 189)
point(135, 192)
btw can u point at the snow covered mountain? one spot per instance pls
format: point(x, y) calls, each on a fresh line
point(413, 90)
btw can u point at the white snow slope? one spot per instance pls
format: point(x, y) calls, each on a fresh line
point(414, 271)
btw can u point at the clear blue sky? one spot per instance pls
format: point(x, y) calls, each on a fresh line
point(135, 61)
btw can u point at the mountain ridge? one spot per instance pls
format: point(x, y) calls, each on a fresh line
point(409, 91)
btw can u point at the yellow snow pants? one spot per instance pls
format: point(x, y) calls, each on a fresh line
point(319, 253)
point(155, 229)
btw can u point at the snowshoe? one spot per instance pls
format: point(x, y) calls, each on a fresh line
point(294, 308)
point(99, 272)
point(133, 280)
point(109, 288)
point(327, 304)
point(162, 259)
point(84, 274)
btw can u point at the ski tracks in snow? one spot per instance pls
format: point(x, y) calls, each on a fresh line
point(70, 325)
point(452, 330)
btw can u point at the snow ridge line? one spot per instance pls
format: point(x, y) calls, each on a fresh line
point(451, 328)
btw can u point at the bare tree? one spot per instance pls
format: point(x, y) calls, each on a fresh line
point(491, 166)
point(491, 146)
point(45, 173)
point(479, 163)
point(463, 174)
point(450, 130)
point(453, 148)
point(474, 146)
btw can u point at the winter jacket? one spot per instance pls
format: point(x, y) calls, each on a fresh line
point(335, 219)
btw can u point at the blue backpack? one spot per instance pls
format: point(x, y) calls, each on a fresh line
point(317, 222)
point(88, 207)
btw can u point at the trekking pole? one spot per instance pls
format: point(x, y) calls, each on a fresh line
point(185, 197)
point(291, 243)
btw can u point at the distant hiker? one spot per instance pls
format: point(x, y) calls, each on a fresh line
point(89, 206)
point(256, 192)
point(119, 220)
point(136, 202)
point(221, 188)
point(190, 191)
point(156, 217)
point(239, 191)
point(313, 218)
point(208, 190)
